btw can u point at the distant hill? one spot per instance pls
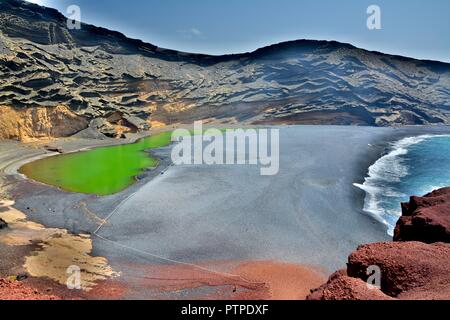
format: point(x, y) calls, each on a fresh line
point(119, 84)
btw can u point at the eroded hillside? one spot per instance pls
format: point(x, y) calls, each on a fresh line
point(122, 85)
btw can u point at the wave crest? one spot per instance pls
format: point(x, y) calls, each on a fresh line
point(390, 168)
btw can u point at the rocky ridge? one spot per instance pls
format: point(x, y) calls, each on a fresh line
point(121, 85)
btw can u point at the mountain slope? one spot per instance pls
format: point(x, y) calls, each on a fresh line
point(115, 82)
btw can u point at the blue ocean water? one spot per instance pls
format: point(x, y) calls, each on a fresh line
point(413, 166)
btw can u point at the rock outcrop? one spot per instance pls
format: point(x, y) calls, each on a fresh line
point(426, 218)
point(415, 266)
point(3, 224)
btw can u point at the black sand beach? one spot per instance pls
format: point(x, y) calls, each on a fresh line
point(207, 222)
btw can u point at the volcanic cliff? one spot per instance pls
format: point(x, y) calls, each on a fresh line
point(119, 85)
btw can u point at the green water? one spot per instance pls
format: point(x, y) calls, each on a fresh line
point(100, 171)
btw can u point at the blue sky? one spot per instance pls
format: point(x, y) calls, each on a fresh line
point(414, 28)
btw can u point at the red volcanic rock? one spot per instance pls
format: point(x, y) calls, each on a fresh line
point(409, 270)
point(425, 219)
point(14, 290)
point(342, 287)
point(405, 267)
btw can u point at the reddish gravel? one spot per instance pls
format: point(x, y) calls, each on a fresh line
point(14, 290)
point(342, 287)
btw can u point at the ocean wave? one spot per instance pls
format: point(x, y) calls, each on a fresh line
point(387, 170)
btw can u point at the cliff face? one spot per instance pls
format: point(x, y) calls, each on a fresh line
point(39, 122)
point(98, 72)
point(415, 266)
point(425, 219)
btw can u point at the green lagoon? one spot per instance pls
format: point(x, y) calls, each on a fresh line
point(102, 171)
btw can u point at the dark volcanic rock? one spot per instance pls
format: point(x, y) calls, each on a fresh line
point(425, 219)
point(54, 149)
point(3, 224)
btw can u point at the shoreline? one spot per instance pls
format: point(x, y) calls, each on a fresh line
point(87, 144)
point(389, 146)
point(102, 205)
point(181, 172)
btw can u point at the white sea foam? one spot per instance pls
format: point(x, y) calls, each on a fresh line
point(389, 168)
